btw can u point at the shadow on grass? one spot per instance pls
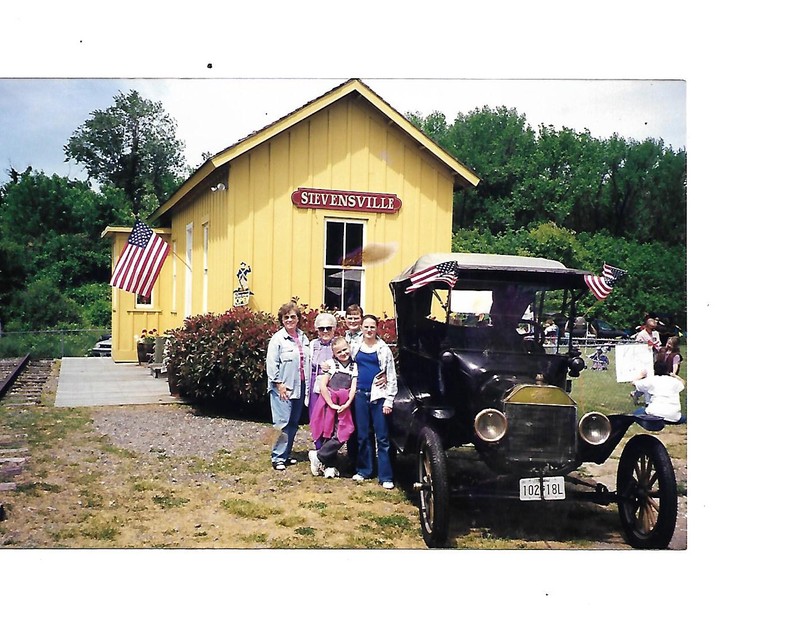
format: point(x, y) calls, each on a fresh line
point(508, 523)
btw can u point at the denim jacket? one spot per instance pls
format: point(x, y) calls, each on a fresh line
point(386, 361)
point(283, 362)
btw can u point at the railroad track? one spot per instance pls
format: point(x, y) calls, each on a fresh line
point(22, 380)
point(21, 384)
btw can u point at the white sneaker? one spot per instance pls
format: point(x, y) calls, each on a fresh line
point(331, 472)
point(358, 478)
point(316, 464)
point(388, 485)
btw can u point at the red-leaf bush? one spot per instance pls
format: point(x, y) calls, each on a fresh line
point(222, 357)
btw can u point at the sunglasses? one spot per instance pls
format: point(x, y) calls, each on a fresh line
point(326, 328)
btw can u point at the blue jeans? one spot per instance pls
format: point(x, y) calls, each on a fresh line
point(286, 418)
point(371, 413)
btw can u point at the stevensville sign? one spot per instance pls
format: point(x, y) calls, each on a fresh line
point(350, 200)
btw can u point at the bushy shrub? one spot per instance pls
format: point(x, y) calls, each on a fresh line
point(222, 357)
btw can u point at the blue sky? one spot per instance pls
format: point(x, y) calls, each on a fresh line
point(37, 116)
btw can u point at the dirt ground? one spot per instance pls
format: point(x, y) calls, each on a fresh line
point(167, 476)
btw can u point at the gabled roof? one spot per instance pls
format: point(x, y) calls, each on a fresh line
point(463, 174)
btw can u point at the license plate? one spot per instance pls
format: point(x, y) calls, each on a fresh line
point(548, 488)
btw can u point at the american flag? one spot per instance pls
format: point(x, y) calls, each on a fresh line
point(601, 286)
point(141, 261)
point(446, 271)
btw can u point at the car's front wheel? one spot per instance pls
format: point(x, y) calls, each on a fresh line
point(432, 485)
point(648, 497)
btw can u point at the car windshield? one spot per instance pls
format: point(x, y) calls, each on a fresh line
point(508, 316)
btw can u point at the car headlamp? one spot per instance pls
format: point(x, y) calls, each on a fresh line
point(594, 428)
point(491, 425)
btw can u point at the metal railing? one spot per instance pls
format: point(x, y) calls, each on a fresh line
point(50, 343)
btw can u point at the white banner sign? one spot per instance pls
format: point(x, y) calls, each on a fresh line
point(631, 360)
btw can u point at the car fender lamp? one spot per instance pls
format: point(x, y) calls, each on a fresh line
point(594, 428)
point(491, 425)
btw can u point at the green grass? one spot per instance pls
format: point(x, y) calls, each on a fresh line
point(51, 344)
point(226, 462)
point(169, 501)
point(249, 510)
point(596, 390)
point(44, 428)
point(317, 506)
point(33, 488)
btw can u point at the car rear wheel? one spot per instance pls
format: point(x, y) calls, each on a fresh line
point(648, 498)
point(432, 484)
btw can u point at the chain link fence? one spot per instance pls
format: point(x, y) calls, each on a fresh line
point(51, 343)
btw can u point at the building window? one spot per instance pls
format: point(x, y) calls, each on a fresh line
point(344, 272)
point(144, 301)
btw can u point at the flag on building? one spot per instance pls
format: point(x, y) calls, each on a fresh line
point(141, 260)
point(601, 286)
point(446, 271)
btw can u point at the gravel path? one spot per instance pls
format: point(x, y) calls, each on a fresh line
point(176, 430)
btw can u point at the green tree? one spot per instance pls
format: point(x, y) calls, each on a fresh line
point(42, 304)
point(631, 189)
point(656, 279)
point(50, 229)
point(132, 146)
point(497, 144)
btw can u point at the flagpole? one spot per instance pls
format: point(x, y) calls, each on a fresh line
point(181, 259)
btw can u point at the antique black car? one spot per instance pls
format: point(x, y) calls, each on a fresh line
point(475, 370)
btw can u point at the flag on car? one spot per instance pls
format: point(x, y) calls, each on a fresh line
point(601, 286)
point(446, 271)
point(141, 261)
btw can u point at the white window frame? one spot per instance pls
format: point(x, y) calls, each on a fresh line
point(187, 286)
point(150, 305)
point(361, 269)
point(205, 267)
point(174, 276)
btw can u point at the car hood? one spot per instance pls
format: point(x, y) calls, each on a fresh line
point(492, 374)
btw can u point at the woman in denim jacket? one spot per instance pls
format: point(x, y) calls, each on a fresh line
point(375, 391)
point(288, 356)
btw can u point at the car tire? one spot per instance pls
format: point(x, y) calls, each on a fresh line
point(648, 494)
point(432, 484)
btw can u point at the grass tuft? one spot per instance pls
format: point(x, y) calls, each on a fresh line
point(169, 501)
point(250, 510)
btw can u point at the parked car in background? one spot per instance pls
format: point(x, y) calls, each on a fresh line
point(102, 348)
point(666, 326)
point(604, 331)
point(597, 327)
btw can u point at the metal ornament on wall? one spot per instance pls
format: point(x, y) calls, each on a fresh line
point(241, 295)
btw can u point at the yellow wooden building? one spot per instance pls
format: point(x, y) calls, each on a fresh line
point(326, 204)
